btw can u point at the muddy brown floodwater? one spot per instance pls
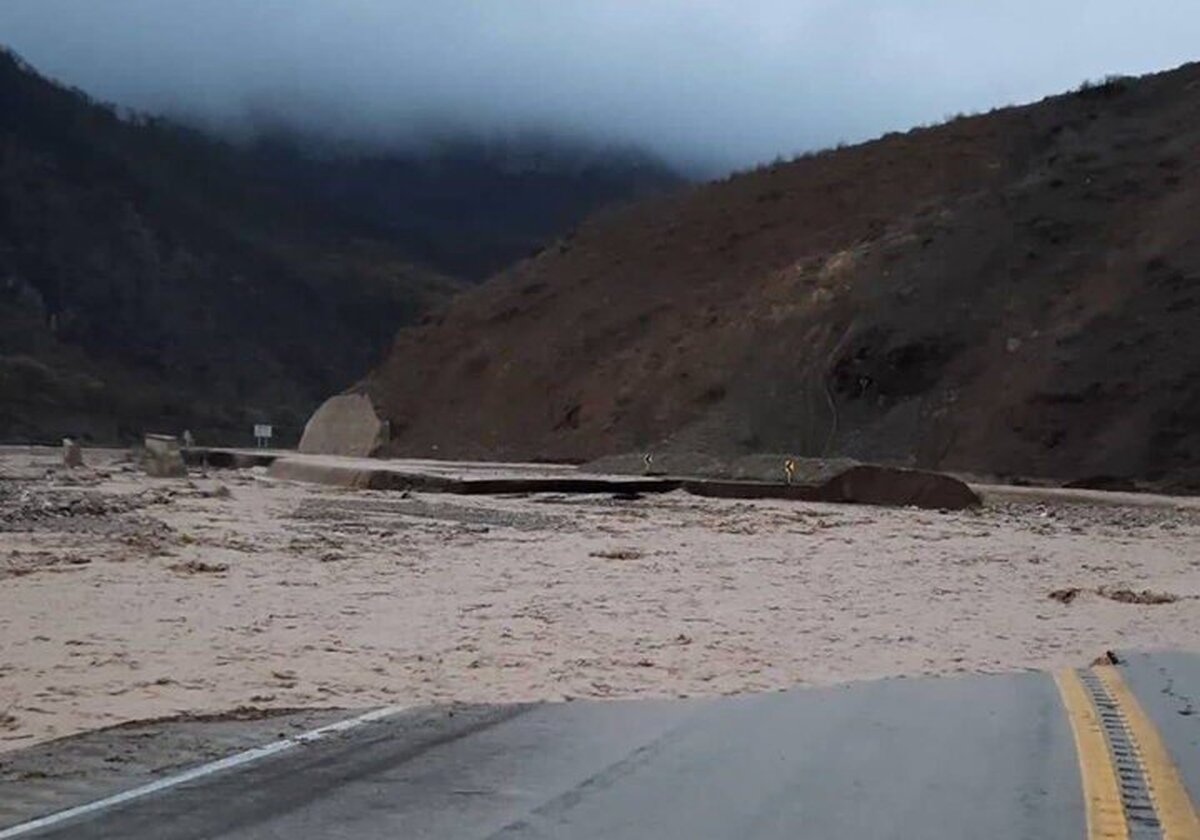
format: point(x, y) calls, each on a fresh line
point(124, 597)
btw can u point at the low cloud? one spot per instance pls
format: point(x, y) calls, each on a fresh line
point(706, 82)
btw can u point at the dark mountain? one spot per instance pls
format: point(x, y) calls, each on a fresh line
point(467, 207)
point(1011, 293)
point(153, 277)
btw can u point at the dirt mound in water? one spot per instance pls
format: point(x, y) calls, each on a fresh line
point(1016, 293)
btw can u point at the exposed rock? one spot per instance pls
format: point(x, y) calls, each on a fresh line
point(1065, 596)
point(199, 567)
point(345, 425)
point(1130, 596)
point(163, 459)
point(875, 485)
point(72, 453)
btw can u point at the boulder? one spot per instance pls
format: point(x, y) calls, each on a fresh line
point(72, 453)
point(163, 458)
point(345, 425)
point(871, 484)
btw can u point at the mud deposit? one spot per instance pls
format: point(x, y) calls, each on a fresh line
point(126, 598)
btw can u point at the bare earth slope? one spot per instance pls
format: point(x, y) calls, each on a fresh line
point(1009, 293)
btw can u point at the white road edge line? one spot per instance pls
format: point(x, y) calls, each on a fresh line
point(236, 760)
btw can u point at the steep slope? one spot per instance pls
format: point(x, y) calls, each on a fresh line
point(1013, 293)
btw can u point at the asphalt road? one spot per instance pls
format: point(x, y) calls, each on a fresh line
point(1010, 756)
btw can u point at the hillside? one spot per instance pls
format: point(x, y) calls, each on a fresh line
point(148, 281)
point(153, 277)
point(467, 207)
point(1011, 293)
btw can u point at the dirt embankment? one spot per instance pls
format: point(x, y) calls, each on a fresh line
point(1015, 293)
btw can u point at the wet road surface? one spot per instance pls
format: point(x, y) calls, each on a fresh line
point(1098, 752)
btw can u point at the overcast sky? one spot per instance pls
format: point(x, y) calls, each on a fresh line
point(727, 82)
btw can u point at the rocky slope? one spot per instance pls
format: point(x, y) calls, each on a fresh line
point(1010, 293)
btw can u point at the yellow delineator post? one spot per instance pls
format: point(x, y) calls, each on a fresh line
point(789, 470)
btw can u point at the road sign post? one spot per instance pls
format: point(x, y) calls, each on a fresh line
point(262, 435)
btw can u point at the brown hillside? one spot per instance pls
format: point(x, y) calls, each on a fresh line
point(1014, 293)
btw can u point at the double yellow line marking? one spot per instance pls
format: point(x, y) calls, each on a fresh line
point(1106, 816)
point(1101, 793)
